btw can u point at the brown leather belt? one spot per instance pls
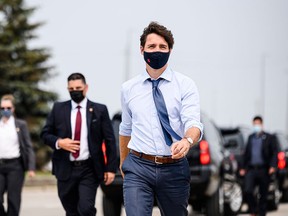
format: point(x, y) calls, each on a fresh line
point(155, 159)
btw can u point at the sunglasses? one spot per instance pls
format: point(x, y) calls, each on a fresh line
point(6, 108)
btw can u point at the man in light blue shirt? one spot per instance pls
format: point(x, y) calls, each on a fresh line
point(152, 149)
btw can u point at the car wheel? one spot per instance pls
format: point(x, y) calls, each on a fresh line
point(274, 203)
point(111, 207)
point(232, 207)
point(215, 203)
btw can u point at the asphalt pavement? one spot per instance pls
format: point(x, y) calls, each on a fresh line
point(43, 201)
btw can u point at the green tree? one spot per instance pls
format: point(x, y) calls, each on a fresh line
point(23, 69)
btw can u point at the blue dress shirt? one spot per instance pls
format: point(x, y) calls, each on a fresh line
point(139, 114)
point(256, 155)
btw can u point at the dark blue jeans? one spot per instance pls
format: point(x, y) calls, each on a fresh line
point(144, 180)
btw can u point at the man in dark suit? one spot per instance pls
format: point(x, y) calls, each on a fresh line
point(259, 163)
point(75, 130)
point(16, 157)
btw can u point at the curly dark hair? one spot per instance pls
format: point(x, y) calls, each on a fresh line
point(158, 29)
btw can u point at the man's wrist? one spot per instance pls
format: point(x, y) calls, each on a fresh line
point(190, 141)
point(57, 145)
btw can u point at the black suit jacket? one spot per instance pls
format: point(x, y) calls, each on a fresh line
point(100, 129)
point(26, 150)
point(269, 151)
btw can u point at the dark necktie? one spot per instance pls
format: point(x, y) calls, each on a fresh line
point(77, 133)
point(162, 113)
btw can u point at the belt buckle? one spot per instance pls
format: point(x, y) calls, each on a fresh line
point(156, 161)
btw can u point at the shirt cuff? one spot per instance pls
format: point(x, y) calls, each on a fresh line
point(57, 146)
point(201, 132)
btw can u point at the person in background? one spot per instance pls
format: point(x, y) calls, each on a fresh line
point(75, 130)
point(160, 123)
point(16, 157)
point(259, 163)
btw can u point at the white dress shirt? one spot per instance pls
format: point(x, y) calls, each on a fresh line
point(139, 114)
point(9, 143)
point(84, 150)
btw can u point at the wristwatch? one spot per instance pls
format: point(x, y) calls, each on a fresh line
point(190, 140)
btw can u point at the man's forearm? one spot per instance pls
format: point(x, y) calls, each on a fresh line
point(123, 147)
point(193, 133)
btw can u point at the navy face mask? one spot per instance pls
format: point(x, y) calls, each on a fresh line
point(156, 60)
point(6, 113)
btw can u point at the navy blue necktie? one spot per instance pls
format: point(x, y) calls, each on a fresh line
point(162, 113)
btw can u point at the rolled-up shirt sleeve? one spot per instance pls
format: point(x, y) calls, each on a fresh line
point(125, 127)
point(190, 113)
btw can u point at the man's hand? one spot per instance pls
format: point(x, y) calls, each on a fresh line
point(31, 173)
point(242, 172)
point(271, 170)
point(180, 149)
point(109, 177)
point(124, 151)
point(69, 144)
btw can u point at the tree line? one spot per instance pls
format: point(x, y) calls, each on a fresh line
point(23, 69)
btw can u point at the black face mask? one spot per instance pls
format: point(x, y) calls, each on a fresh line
point(77, 96)
point(156, 60)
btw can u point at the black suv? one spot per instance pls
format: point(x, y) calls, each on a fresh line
point(214, 188)
point(213, 185)
point(282, 173)
point(235, 142)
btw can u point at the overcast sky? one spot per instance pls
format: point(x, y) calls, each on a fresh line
point(235, 51)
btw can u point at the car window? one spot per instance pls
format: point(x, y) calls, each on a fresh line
point(235, 140)
point(246, 132)
point(211, 134)
point(282, 141)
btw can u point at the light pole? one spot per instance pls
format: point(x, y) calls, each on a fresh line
point(263, 85)
point(127, 55)
point(286, 73)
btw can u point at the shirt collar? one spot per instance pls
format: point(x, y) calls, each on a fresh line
point(257, 135)
point(10, 121)
point(167, 75)
point(83, 104)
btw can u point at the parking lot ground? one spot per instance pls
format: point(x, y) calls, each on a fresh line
point(43, 200)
